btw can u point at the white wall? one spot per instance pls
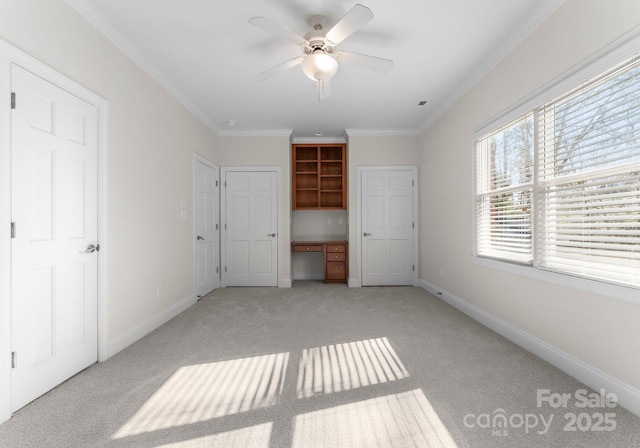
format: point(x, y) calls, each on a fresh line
point(599, 330)
point(266, 151)
point(151, 139)
point(374, 151)
point(319, 225)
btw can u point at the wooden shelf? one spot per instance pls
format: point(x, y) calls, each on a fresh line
point(319, 179)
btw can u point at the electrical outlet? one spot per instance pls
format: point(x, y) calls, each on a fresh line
point(341, 221)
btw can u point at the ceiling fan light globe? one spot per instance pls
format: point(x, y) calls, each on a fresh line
point(319, 66)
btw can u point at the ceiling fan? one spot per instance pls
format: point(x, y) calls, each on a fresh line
point(320, 60)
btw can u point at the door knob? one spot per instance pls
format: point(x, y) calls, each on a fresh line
point(199, 238)
point(91, 248)
point(366, 234)
point(272, 235)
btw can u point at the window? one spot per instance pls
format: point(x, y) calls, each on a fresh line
point(505, 187)
point(559, 188)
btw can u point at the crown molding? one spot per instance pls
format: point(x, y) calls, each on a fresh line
point(508, 45)
point(255, 133)
point(95, 18)
point(382, 132)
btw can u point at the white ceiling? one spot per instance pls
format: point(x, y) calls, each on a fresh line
point(207, 54)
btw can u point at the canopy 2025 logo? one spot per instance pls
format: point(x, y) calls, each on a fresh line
point(594, 419)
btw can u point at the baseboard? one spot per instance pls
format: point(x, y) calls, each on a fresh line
point(628, 396)
point(285, 283)
point(354, 283)
point(125, 339)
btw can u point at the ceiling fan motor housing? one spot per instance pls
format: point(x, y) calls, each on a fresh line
point(318, 45)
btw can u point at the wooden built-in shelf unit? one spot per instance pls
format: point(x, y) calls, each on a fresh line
point(319, 176)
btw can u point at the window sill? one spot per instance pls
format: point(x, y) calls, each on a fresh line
point(625, 293)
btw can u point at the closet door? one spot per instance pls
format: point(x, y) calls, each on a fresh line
point(387, 239)
point(206, 203)
point(250, 228)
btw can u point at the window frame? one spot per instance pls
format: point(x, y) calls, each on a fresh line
point(531, 186)
point(614, 55)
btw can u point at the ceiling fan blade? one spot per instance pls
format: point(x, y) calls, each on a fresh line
point(374, 63)
point(278, 30)
point(349, 24)
point(324, 89)
point(279, 68)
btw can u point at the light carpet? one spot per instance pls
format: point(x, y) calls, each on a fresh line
point(321, 366)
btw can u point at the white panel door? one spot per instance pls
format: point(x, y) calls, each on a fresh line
point(54, 258)
point(251, 202)
point(387, 227)
point(206, 228)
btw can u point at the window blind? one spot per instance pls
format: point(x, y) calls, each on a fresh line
point(589, 195)
point(567, 199)
point(504, 185)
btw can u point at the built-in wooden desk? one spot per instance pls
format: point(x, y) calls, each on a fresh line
point(335, 257)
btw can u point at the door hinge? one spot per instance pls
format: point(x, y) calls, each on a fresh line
point(13, 230)
point(216, 226)
point(413, 225)
point(414, 267)
point(225, 269)
point(225, 184)
point(413, 183)
point(14, 360)
point(217, 269)
point(216, 183)
point(13, 100)
point(225, 227)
